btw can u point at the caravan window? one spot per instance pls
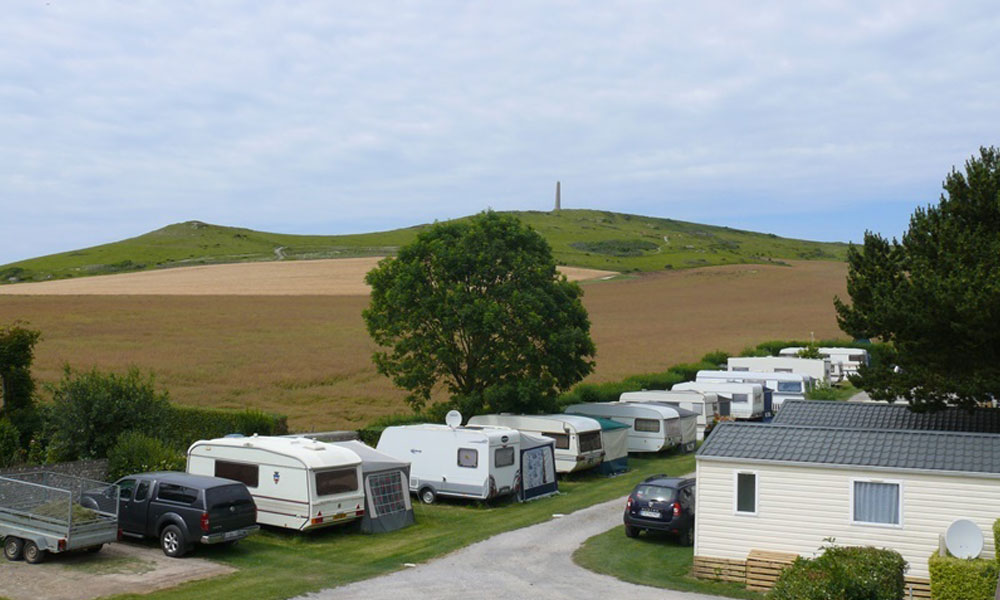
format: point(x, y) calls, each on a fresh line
point(651, 425)
point(747, 369)
point(504, 457)
point(336, 481)
point(246, 474)
point(741, 398)
point(590, 441)
point(562, 440)
point(790, 386)
point(468, 458)
point(778, 370)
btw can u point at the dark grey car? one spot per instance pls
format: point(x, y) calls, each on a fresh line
point(661, 503)
point(182, 510)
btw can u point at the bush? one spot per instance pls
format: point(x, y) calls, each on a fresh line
point(185, 425)
point(370, 433)
point(843, 573)
point(996, 540)
point(139, 453)
point(962, 579)
point(717, 358)
point(10, 444)
point(91, 410)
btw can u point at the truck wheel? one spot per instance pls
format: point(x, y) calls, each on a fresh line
point(172, 541)
point(631, 531)
point(12, 547)
point(32, 553)
point(427, 495)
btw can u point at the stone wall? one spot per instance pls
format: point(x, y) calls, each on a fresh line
point(96, 469)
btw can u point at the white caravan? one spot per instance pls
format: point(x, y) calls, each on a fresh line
point(704, 404)
point(652, 427)
point(578, 439)
point(297, 483)
point(843, 361)
point(464, 462)
point(817, 368)
point(783, 386)
point(741, 401)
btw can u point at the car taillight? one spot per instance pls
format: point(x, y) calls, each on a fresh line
point(677, 509)
point(204, 522)
point(628, 503)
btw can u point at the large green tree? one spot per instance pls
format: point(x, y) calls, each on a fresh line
point(17, 352)
point(477, 307)
point(935, 295)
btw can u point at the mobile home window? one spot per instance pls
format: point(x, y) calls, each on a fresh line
point(789, 386)
point(562, 440)
point(246, 474)
point(336, 481)
point(876, 502)
point(746, 493)
point(741, 398)
point(468, 457)
point(651, 425)
point(504, 457)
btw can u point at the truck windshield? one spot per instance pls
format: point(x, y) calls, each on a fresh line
point(227, 495)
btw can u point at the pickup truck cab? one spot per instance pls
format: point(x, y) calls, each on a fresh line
point(182, 510)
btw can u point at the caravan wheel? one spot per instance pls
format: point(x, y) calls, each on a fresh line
point(427, 496)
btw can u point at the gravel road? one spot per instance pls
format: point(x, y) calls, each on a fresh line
point(533, 562)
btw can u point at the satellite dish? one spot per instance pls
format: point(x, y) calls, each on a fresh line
point(964, 539)
point(453, 418)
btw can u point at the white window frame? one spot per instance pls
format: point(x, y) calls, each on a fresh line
point(850, 515)
point(736, 493)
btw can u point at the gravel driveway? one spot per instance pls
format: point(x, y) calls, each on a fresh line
point(533, 562)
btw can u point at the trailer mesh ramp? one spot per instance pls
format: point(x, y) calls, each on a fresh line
point(55, 497)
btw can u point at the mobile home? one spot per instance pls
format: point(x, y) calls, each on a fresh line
point(653, 427)
point(783, 386)
point(789, 489)
point(578, 439)
point(704, 404)
point(817, 368)
point(297, 483)
point(464, 462)
point(843, 361)
point(743, 401)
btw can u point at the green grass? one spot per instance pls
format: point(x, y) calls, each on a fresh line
point(840, 392)
point(583, 238)
point(655, 560)
point(280, 564)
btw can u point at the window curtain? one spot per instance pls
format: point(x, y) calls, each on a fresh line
point(876, 502)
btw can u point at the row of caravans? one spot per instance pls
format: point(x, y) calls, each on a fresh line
point(844, 362)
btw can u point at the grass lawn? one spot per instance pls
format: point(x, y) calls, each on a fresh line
point(651, 559)
point(280, 564)
point(840, 392)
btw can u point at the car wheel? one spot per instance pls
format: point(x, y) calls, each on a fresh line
point(172, 541)
point(687, 538)
point(32, 553)
point(12, 547)
point(95, 549)
point(631, 531)
point(427, 496)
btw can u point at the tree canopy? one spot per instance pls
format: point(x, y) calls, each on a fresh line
point(478, 307)
point(17, 352)
point(935, 295)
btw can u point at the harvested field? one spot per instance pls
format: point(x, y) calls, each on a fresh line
point(333, 277)
point(309, 356)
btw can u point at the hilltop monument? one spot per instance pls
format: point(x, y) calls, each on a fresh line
point(558, 201)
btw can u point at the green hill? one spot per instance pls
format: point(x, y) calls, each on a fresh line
point(583, 238)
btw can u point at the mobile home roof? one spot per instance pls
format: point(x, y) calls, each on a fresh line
point(874, 415)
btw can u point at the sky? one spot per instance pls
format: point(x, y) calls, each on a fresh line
point(815, 120)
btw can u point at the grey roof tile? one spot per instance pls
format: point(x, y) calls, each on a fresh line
point(875, 415)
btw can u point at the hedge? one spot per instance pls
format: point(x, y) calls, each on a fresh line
point(962, 579)
point(843, 573)
point(184, 425)
point(138, 453)
point(996, 539)
point(10, 444)
point(370, 433)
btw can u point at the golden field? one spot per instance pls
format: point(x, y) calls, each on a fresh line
point(305, 352)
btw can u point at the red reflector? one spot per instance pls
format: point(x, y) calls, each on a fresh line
point(317, 520)
point(361, 512)
point(62, 545)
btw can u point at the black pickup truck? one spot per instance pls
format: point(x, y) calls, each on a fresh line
point(181, 510)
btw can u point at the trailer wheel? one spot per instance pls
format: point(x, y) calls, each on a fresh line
point(12, 547)
point(427, 495)
point(32, 553)
point(172, 541)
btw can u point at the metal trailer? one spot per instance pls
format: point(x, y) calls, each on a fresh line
point(40, 512)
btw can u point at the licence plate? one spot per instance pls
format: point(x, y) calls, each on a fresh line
point(652, 514)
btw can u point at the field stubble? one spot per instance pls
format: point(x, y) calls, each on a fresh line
point(310, 356)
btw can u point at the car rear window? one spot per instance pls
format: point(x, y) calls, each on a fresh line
point(227, 495)
point(656, 493)
point(177, 493)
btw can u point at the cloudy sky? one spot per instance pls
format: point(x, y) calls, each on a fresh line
point(816, 120)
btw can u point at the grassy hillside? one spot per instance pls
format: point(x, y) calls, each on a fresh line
point(584, 238)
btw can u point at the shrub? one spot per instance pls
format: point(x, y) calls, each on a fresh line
point(962, 579)
point(91, 410)
point(370, 433)
point(689, 371)
point(844, 573)
point(184, 425)
point(10, 444)
point(717, 358)
point(136, 452)
point(996, 540)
